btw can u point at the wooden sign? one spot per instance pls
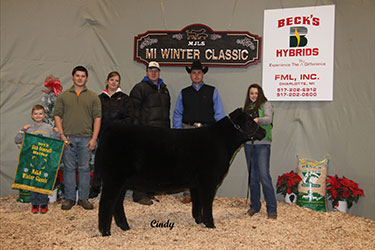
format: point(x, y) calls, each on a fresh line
point(198, 42)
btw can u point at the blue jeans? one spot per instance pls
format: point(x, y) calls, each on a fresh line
point(38, 198)
point(77, 155)
point(260, 174)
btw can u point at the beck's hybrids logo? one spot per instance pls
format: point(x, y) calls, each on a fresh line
point(298, 37)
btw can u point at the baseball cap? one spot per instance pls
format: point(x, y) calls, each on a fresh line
point(153, 64)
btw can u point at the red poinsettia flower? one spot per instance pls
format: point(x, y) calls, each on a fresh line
point(288, 183)
point(291, 183)
point(346, 194)
point(279, 181)
point(339, 189)
point(358, 192)
point(332, 191)
point(361, 193)
point(333, 181)
point(348, 183)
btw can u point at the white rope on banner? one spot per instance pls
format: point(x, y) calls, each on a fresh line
point(234, 8)
point(163, 11)
point(316, 2)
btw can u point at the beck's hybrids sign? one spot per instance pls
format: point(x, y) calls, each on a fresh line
point(298, 57)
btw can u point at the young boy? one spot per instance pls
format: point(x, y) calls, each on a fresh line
point(38, 127)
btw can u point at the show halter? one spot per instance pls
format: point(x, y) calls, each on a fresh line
point(237, 127)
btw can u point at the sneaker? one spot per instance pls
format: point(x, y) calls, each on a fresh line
point(272, 217)
point(43, 209)
point(251, 212)
point(35, 209)
point(186, 200)
point(67, 204)
point(145, 201)
point(85, 204)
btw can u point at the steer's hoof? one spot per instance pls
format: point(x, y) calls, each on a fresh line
point(210, 225)
point(198, 220)
point(124, 227)
point(107, 233)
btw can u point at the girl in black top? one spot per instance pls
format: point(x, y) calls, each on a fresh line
point(116, 107)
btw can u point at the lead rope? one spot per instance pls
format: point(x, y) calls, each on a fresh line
point(250, 166)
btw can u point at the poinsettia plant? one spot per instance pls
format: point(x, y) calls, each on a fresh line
point(288, 183)
point(343, 189)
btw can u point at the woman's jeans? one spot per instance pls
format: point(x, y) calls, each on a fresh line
point(76, 155)
point(260, 174)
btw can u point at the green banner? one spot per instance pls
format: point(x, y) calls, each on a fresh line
point(38, 164)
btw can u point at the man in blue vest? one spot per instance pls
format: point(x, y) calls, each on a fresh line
point(197, 105)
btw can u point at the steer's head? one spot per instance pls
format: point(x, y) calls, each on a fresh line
point(246, 125)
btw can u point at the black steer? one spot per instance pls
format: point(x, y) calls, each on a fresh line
point(158, 159)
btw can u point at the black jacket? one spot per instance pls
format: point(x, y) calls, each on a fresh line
point(151, 104)
point(117, 107)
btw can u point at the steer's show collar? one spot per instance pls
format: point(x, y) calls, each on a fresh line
point(236, 126)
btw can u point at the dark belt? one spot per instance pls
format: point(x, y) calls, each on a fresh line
point(197, 124)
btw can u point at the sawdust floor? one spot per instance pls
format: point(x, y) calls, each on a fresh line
point(295, 227)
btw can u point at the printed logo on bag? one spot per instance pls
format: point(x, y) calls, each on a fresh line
point(198, 42)
point(310, 178)
point(310, 196)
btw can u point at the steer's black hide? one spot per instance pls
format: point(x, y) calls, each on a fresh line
point(158, 159)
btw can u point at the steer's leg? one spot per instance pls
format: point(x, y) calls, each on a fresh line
point(119, 214)
point(207, 197)
point(106, 206)
point(196, 207)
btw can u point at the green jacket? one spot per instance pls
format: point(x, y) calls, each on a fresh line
point(266, 125)
point(78, 112)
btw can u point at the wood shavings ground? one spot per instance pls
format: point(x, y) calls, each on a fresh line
point(295, 227)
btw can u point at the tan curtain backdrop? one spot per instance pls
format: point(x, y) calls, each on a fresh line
point(42, 37)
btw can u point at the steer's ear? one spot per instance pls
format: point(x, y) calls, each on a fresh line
point(235, 113)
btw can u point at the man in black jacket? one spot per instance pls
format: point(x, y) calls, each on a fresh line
point(152, 103)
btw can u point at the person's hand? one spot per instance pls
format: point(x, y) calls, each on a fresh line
point(63, 137)
point(55, 129)
point(92, 144)
point(66, 141)
point(256, 120)
point(26, 127)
